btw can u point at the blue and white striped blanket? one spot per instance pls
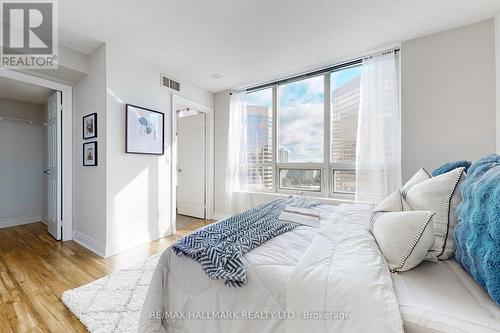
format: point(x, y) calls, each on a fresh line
point(220, 247)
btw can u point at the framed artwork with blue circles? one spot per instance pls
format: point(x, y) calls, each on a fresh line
point(144, 131)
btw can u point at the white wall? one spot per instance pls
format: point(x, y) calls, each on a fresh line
point(21, 164)
point(89, 183)
point(73, 66)
point(138, 186)
point(448, 97)
point(124, 201)
point(221, 129)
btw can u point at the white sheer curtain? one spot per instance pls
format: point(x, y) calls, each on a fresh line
point(378, 148)
point(237, 167)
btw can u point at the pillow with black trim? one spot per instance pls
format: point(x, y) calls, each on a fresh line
point(404, 238)
point(420, 176)
point(440, 194)
point(396, 202)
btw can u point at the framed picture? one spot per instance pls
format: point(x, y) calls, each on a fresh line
point(90, 153)
point(144, 131)
point(90, 126)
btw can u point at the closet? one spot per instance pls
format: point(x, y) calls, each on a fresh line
point(23, 153)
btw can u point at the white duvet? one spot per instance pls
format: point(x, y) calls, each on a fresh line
point(327, 279)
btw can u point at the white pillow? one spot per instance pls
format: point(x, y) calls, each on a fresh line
point(396, 202)
point(404, 238)
point(420, 176)
point(393, 203)
point(439, 194)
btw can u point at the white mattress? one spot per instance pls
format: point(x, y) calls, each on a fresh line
point(336, 268)
point(442, 297)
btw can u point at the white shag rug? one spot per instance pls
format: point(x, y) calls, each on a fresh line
point(114, 302)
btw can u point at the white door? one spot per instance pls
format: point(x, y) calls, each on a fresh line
point(191, 165)
point(53, 162)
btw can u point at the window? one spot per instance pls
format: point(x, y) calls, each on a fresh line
point(287, 126)
point(344, 106)
point(300, 121)
point(344, 181)
point(259, 140)
point(300, 179)
point(344, 99)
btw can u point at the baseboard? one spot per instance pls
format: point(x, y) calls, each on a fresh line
point(112, 250)
point(89, 243)
point(220, 216)
point(19, 220)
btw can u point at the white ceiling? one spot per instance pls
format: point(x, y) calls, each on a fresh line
point(24, 92)
point(250, 41)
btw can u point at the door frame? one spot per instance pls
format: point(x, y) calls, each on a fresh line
point(209, 156)
point(65, 172)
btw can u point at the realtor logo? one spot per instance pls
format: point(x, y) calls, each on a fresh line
point(29, 34)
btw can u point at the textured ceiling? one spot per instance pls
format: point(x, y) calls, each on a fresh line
point(255, 40)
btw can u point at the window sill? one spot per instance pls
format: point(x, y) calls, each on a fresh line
point(327, 200)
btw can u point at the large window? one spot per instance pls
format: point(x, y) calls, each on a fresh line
point(301, 135)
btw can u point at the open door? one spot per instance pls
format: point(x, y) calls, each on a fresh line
point(54, 107)
point(191, 165)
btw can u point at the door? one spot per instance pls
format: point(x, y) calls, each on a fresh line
point(191, 165)
point(53, 162)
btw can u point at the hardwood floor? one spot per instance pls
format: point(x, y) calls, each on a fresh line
point(35, 270)
point(185, 222)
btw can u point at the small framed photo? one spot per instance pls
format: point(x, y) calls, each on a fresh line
point(90, 153)
point(90, 126)
point(144, 131)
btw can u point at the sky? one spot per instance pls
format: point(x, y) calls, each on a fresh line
point(300, 114)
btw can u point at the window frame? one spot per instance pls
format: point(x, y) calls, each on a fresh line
point(327, 168)
point(300, 166)
point(339, 167)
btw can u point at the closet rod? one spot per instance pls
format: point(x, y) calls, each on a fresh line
point(31, 122)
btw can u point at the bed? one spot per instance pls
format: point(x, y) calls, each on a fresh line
point(335, 270)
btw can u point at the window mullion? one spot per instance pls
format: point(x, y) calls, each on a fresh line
point(274, 136)
point(327, 181)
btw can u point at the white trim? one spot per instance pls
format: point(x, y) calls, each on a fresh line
point(209, 157)
point(19, 220)
point(67, 144)
point(89, 243)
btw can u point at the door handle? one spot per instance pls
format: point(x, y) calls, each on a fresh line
point(46, 172)
point(179, 170)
